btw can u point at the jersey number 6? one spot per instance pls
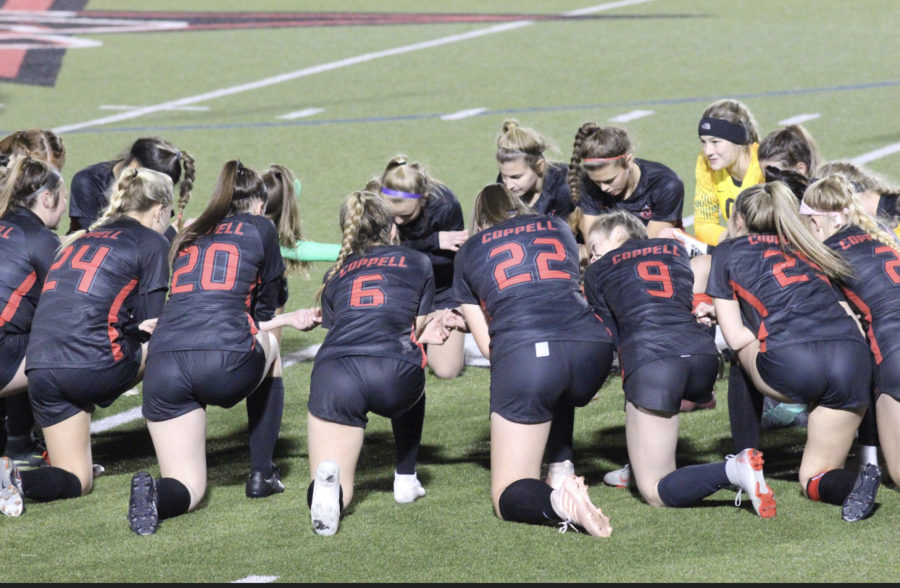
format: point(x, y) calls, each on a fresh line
point(363, 295)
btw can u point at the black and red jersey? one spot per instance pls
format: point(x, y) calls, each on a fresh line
point(524, 273)
point(659, 195)
point(223, 285)
point(784, 299)
point(874, 288)
point(441, 212)
point(370, 305)
point(89, 192)
point(647, 284)
point(27, 248)
point(97, 290)
point(555, 198)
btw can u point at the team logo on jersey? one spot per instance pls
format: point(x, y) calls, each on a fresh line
point(35, 34)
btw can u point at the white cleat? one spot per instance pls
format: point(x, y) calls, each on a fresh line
point(407, 488)
point(12, 502)
point(325, 509)
point(620, 478)
point(745, 470)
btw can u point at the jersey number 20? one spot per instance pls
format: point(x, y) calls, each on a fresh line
point(218, 268)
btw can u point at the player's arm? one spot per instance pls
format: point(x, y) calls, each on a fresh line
point(728, 314)
point(478, 326)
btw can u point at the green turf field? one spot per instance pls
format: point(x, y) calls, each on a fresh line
point(369, 92)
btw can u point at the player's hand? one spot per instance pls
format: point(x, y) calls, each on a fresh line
point(452, 240)
point(705, 313)
point(453, 319)
point(148, 325)
point(435, 332)
point(303, 319)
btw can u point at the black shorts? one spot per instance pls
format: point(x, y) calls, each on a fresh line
point(60, 393)
point(833, 374)
point(530, 380)
point(12, 353)
point(177, 382)
point(887, 376)
point(343, 389)
point(662, 384)
point(443, 298)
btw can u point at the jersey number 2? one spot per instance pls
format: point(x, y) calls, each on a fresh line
point(891, 266)
point(517, 258)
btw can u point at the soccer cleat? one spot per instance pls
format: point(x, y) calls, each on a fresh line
point(30, 458)
point(778, 415)
point(407, 488)
point(693, 245)
point(861, 500)
point(260, 487)
point(573, 505)
point(745, 470)
point(142, 514)
point(12, 500)
point(325, 508)
point(559, 471)
point(620, 478)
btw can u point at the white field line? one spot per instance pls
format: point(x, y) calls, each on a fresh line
point(316, 69)
point(877, 154)
point(116, 420)
point(633, 115)
point(301, 113)
point(800, 118)
point(127, 107)
point(463, 114)
point(256, 580)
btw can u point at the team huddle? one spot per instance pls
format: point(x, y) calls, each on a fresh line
point(565, 271)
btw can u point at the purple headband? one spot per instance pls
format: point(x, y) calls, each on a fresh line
point(399, 194)
point(723, 129)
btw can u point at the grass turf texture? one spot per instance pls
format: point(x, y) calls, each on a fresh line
point(833, 58)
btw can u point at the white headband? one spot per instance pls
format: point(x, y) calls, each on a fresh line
point(836, 217)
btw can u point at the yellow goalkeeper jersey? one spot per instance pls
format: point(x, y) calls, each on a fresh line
point(715, 193)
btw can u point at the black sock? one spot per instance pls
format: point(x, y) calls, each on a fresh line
point(744, 409)
point(172, 498)
point(49, 483)
point(19, 420)
point(309, 493)
point(559, 442)
point(832, 487)
point(407, 429)
point(264, 409)
point(527, 501)
point(689, 485)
